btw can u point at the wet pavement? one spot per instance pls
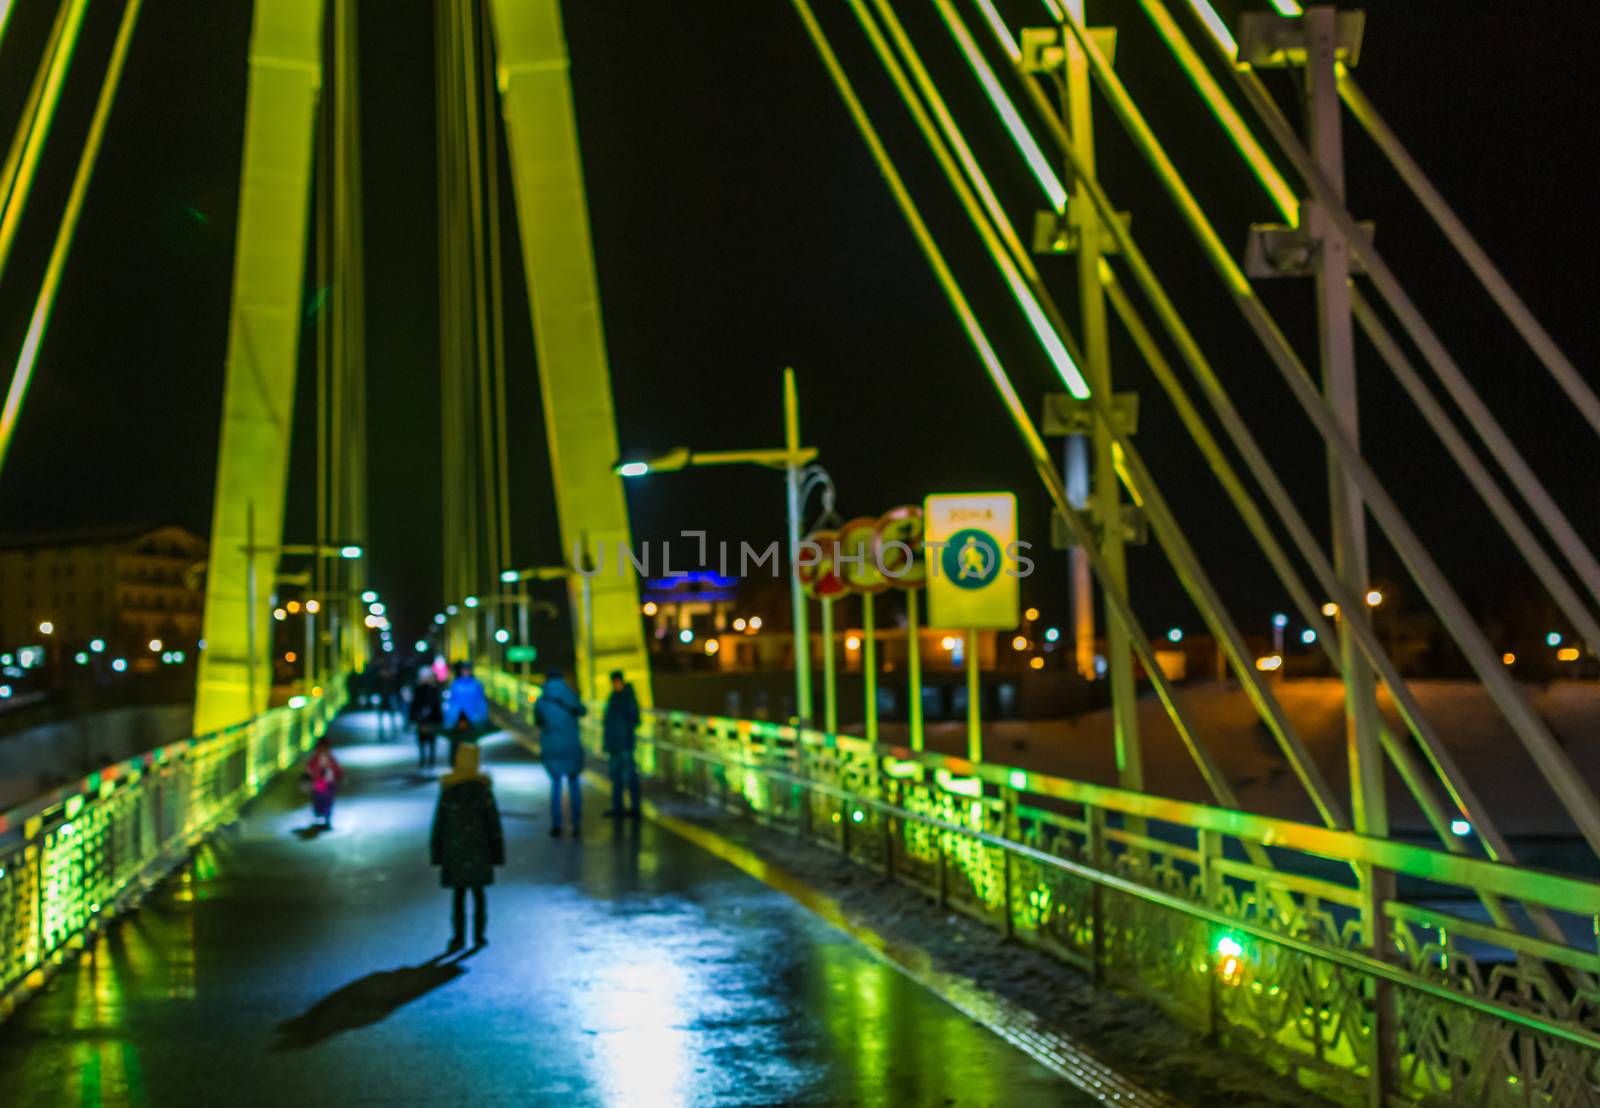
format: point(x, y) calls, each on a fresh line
point(628, 968)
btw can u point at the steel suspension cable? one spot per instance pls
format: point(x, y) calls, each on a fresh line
point(999, 378)
point(1553, 762)
point(1484, 484)
point(496, 292)
point(39, 321)
point(1239, 433)
point(489, 508)
point(1477, 259)
point(1511, 521)
point(34, 128)
point(1444, 216)
point(30, 105)
point(323, 162)
point(449, 415)
point(1006, 250)
point(349, 277)
point(1456, 784)
point(1531, 548)
point(1438, 358)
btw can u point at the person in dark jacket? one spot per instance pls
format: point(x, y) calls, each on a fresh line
point(467, 843)
point(427, 717)
point(557, 712)
point(620, 733)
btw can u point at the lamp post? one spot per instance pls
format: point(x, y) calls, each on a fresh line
point(312, 606)
point(523, 602)
point(346, 551)
point(801, 476)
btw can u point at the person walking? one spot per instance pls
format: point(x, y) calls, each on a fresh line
point(620, 733)
point(427, 716)
point(557, 712)
point(324, 772)
point(390, 713)
point(466, 709)
point(466, 843)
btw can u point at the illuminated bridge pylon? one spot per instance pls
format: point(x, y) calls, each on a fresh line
point(506, 54)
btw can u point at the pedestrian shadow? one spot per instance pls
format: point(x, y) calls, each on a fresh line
point(313, 831)
point(412, 779)
point(366, 1001)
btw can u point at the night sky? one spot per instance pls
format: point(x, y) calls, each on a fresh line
point(740, 226)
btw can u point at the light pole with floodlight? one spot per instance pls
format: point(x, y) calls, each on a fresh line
point(802, 477)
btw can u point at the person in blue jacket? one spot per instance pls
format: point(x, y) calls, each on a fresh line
point(557, 712)
point(466, 709)
point(620, 733)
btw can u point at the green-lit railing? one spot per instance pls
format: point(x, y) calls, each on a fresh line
point(72, 859)
point(1244, 926)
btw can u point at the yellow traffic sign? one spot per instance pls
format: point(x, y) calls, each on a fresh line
point(973, 560)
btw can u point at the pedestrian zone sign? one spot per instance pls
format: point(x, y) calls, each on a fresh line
point(970, 539)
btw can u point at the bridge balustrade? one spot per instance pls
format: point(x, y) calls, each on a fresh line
point(73, 859)
point(1246, 927)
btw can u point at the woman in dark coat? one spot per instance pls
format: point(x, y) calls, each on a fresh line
point(427, 716)
point(467, 843)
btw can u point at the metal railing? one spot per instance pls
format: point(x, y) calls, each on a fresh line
point(73, 859)
point(1162, 898)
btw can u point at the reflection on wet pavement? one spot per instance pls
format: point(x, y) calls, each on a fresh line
point(630, 968)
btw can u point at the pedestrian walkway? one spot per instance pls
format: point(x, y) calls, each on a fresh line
point(629, 968)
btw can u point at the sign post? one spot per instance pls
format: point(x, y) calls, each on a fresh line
point(897, 551)
point(973, 578)
point(858, 569)
point(821, 579)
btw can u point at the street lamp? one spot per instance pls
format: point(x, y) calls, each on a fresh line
point(523, 602)
point(802, 477)
point(341, 551)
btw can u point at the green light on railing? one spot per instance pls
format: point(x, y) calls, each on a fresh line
point(858, 815)
point(1229, 960)
point(1018, 779)
point(297, 702)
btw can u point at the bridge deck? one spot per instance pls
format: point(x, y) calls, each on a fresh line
point(628, 968)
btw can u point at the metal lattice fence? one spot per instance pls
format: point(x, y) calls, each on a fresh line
point(72, 859)
point(1333, 955)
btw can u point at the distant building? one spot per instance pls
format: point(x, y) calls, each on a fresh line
point(127, 586)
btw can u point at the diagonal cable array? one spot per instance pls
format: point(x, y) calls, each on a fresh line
point(987, 217)
point(16, 180)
